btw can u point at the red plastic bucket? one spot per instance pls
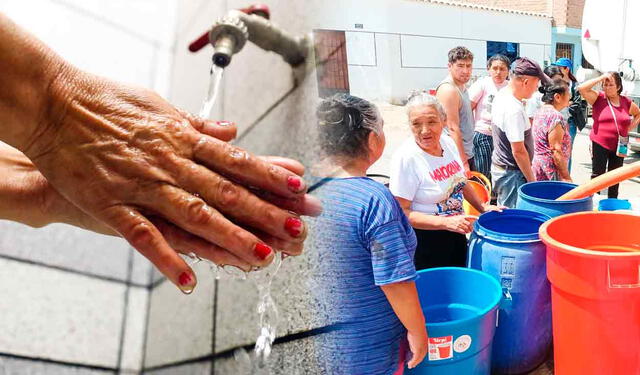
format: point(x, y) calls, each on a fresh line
point(593, 264)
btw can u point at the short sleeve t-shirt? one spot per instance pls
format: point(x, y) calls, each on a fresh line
point(361, 241)
point(604, 131)
point(433, 184)
point(510, 124)
point(484, 92)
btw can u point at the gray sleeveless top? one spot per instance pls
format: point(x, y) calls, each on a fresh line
point(465, 114)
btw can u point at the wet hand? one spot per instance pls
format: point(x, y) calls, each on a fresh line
point(34, 202)
point(127, 158)
point(418, 345)
point(462, 224)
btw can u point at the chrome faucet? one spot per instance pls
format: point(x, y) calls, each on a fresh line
point(229, 34)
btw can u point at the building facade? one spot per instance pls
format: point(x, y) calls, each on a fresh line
point(566, 23)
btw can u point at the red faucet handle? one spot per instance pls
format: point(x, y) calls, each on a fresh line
point(261, 10)
point(199, 43)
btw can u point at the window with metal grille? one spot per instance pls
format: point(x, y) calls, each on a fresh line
point(564, 50)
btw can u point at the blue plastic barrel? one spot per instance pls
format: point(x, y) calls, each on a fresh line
point(540, 196)
point(460, 307)
point(614, 204)
point(506, 246)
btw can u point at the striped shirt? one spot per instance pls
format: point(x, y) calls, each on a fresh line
point(363, 241)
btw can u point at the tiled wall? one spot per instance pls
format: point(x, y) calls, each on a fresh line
point(199, 334)
point(73, 302)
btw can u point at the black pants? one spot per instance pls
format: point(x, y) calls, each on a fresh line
point(472, 164)
point(440, 248)
point(603, 160)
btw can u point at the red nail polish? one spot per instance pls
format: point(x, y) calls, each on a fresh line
point(294, 183)
point(185, 279)
point(293, 225)
point(262, 251)
point(224, 123)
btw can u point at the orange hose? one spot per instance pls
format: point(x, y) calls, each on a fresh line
point(603, 181)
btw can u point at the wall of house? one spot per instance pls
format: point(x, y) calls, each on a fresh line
point(407, 48)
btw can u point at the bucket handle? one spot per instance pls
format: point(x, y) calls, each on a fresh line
point(620, 277)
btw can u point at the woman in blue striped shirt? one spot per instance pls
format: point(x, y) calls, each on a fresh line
point(365, 245)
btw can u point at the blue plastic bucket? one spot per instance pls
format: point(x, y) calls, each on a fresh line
point(540, 196)
point(506, 246)
point(613, 204)
point(460, 307)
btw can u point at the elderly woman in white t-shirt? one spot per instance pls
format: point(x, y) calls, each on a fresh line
point(428, 179)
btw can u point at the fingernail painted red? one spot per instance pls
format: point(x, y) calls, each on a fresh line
point(262, 251)
point(294, 183)
point(224, 123)
point(185, 279)
point(293, 225)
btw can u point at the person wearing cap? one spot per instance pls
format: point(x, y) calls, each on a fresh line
point(453, 96)
point(577, 107)
point(512, 139)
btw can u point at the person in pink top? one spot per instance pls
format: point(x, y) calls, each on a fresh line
point(552, 141)
point(613, 116)
point(482, 93)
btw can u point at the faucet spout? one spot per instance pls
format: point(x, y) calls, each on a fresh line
point(230, 34)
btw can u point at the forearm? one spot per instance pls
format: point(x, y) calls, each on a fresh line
point(522, 159)
point(27, 68)
point(561, 164)
point(424, 221)
point(404, 300)
point(585, 86)
point(635, 122)
point(456, 135)
point(20, 188)
point(473, 199)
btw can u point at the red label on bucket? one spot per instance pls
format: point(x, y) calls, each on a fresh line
point(440, 348)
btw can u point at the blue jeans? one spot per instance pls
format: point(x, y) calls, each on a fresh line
point(506, 183)
point(573, 130)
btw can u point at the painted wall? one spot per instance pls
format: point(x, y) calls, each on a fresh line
point(407, 48)
point(571, 36)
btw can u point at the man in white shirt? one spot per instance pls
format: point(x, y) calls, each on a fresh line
point(512, 140)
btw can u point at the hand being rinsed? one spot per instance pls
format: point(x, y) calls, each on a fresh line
point(134, 163)
point(30, 199)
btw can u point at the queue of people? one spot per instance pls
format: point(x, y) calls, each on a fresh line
point(515, 126)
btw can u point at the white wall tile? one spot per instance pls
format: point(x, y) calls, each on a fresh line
point(132, 345)
point(19, 366)
point(67, 247)
point(85, 41)
point(180, 326)
point(58, 315)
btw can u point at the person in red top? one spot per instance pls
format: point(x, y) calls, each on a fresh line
point(613, 116)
